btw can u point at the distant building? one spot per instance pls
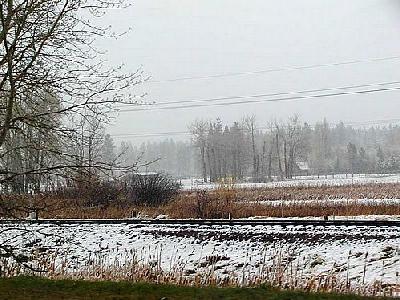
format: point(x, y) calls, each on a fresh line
point(302, 168)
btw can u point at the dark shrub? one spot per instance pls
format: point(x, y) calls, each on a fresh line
point(151, 189)
point(94, 192)
point(102, 192)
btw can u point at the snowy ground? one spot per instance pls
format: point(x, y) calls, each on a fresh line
point(338, 218)
point(340, 179)
point(329, 202)
point(240, 250)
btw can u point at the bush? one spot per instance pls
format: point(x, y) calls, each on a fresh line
point(94, 192)
point(151, 189)
point(219, 204)
point(102, 192)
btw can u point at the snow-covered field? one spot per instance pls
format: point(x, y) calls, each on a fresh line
point(337, 218)
point(340, 179)
point(329, 202)
point(360, 254)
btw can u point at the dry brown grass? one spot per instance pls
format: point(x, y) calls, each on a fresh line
point(61, 208)
point(358, 191)
point(279, 269)
point(223, 202)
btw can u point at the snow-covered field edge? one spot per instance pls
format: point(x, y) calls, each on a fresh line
point(329, 180)
point(361, 260)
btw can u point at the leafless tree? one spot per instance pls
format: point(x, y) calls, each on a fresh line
point(52, 77)
point(250, 125)
point(51, 74)
point(199, 130)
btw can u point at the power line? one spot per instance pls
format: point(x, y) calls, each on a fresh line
point(285, 96)
point(159, 134)
point(176, 133)
point(277, 69)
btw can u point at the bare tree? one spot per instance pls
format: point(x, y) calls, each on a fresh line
point(47, 52)
point(278, 134)
point(250, 125)
point(199, 130)
point(292, 144)
point(52, 76)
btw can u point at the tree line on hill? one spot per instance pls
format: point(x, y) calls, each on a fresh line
point(245, 150)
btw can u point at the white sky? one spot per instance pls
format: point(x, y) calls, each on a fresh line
point(174, 38)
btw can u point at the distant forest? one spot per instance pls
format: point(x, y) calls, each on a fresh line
point(245, 150)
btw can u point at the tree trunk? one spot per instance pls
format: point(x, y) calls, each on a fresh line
point(279, 156)
point(203, 163)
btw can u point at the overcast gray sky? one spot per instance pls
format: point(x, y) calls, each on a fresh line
point(175, 39)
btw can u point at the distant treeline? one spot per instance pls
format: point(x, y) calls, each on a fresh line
point(263, 151)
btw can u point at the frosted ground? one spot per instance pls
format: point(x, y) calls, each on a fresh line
point(340, 179)
point(362, 255)
point(328, 202)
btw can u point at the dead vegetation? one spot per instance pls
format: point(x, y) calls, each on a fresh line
point(278, 269)
point(224, 202)
point(323, 192)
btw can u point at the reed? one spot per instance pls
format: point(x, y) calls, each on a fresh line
point(224, 202)
point(278, 268)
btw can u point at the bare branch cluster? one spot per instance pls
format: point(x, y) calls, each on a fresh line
point(52, 78)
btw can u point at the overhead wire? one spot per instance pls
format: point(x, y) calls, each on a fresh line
point(284, 96)
point(248, 99)
point(276, 69)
